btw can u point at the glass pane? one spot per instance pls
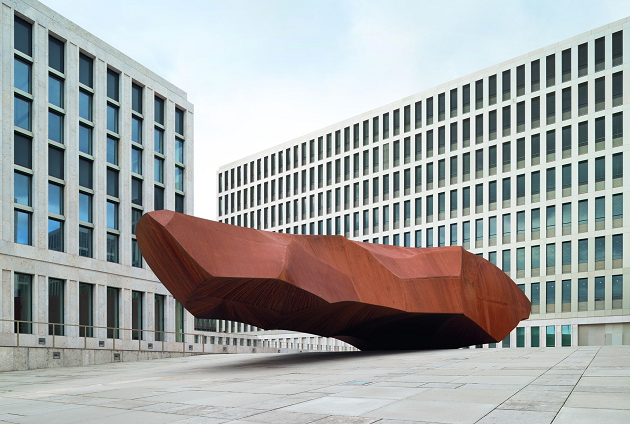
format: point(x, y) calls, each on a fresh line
point(136, 161)
point(55, 54)
point(22, 227)
point(55, 91)
point(136, 191)
point(55, 235)
point(85, 207)
point(136, 130)
point(22, 33)
point(23, 302)
point(112, 84)
point(136, 257)
point(179, 203)
point(159, 110)
point(85, 105)
point(179, 179)
point(85, 242)
point(136, 214)
point(55, 127)
point(22, 111)
point(112, 118)
point(158, 140)
point(112, 247)
point(85, 139)
point(85, 70)
point(55, 163)
point(158, 170)
point(112, 150)
point(136, 98)
point(112, 313)
point(55, 199)
point(112, 182)
point(85, 173)
point(22, 75)
point(85, 309)
point(179, 121)
point(22, 154)
point(112, 215)
point(22, 189)
point(179, 150)
point(158, 198)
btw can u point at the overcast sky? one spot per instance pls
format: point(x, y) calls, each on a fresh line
point(261, 73)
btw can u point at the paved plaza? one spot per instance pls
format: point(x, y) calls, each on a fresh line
point(530, 385)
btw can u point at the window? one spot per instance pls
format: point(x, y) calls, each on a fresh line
point(85, 105)
point(158, 170)
point(112, 150)
point(85, 139)
point(23, 302)
point(85, 241)
point(55, 91)
point(23, 40)
point(113, 313)
point(112, 215)
point(551, 336)
point(550, 65)
point(136, 191)
point(85, 70)
point(136, 130)
point(551, 296)
point(179, 150)
point(582, 59)
point(158, 198)
point(22, 113)
point(566, 65)
point(159, 110)
point(22, 227)
point(599, 54)
point(85, 173)
point(179, 178)
point(85, 309)
point(136, 98)
point(112, 247)
point(112, 118)
point(136, 256)
point(136, 160)
point(22, 75)
point(179, 121)
point(136, 315)
point(22, 189)
point(112, 84)
point(85, 207)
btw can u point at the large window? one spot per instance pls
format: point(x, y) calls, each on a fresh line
point(55, 306)
point(86, 314)
point(23, 303)
point(113, 313)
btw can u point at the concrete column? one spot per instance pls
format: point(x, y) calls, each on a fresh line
point(100, 310)
point(6, 301)
point(71, 307)
point(40, 304)
point(148, 319)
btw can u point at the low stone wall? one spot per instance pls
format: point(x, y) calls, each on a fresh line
point(29, 358)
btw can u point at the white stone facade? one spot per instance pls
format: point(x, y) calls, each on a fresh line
point(35, 259)
point(541, 139)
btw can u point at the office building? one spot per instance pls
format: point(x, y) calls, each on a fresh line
point(522, 163)
point(91, 140)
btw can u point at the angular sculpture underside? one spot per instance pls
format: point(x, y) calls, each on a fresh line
point(369, 295)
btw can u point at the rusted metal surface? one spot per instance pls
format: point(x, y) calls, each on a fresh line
point(369, 295)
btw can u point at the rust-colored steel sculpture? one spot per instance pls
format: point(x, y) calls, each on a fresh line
point(369, 295)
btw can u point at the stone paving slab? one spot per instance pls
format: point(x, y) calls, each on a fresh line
point(484, 386)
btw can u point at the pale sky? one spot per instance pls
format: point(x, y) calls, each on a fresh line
point(261, 73)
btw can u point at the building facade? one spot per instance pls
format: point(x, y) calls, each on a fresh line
point(91, 140)
point(521, 163)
